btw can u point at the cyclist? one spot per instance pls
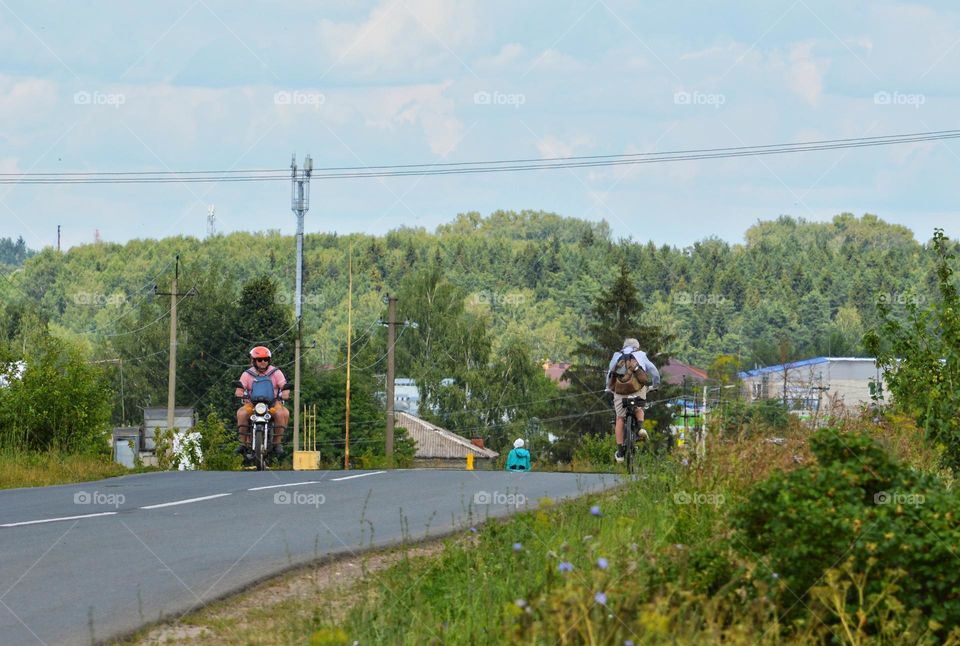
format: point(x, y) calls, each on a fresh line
point(629, 375)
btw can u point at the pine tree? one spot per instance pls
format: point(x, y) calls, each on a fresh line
point(615, 316)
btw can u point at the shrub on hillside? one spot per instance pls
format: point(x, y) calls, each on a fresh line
point(857, 505)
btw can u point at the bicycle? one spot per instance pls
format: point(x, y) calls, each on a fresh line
point(631, 426)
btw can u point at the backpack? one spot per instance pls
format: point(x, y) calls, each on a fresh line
point(628, 377)
point(262, 388)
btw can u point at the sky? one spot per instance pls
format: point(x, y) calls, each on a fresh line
point(209, 84)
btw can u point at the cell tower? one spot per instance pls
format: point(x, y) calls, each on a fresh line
point(211, 221)
point(96, 236)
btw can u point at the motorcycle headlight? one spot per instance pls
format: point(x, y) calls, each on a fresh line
point(260, 408)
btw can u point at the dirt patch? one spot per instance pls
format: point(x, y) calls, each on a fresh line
point(283, 610)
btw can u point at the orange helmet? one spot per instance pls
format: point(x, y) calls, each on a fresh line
point(260, 352)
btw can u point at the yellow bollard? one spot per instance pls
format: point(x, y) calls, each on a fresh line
point(469, 461)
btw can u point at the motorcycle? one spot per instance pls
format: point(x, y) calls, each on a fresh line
point(261, 422)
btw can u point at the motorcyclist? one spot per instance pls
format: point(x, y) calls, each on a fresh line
point(260, 358)
point(632, 383)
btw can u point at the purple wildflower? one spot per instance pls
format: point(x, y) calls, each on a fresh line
point(566, 566)
point(600, 598)
point(595, 510)
point(517, 547)
point(602, 563)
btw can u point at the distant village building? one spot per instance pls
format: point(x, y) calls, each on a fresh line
point(554, 372)
point(821, 384)
point(438, 447)
point(677, 373)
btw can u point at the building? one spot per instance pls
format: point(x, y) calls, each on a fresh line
point(438, 447)
point(554, 372)
point(821, 384)
point(677, 373)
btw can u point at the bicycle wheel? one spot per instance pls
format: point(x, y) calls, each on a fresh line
point(628, 442)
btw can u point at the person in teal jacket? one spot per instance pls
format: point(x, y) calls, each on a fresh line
point(519, 457)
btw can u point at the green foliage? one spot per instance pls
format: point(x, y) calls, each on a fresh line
point(595, 453)
point(921, 357)
point(61, 402)
point(617, 314)
point(14, 253)
point(217, 444)
point(741, 418)
point(857, 504)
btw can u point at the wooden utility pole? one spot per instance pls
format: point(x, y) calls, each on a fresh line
point(391, 342)
point(346, 452)
point(172, 369)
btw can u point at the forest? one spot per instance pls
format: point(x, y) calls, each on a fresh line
point(493, 298)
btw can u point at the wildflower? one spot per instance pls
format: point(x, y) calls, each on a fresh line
point(473, 529)
point(517, 547)
point(521, 603)
point(627, 642)
point(602, 563)
point(566, 566)
point(600, 598)
point(595, 510)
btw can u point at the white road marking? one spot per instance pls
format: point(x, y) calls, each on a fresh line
point(185, 502)
point(292, 484)
point(359, 475)
point(53, 520)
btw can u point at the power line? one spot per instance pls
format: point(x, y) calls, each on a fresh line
point(471, 167)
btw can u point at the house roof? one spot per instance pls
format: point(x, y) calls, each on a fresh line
point(800, 364)
point(674, 371)
point(435, 442)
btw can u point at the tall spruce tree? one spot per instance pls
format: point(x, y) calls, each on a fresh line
point(616, 315)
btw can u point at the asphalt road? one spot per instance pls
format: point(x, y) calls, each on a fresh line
point(85, 563)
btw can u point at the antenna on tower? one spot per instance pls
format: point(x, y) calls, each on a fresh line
point(211, 220)
point(96, 236)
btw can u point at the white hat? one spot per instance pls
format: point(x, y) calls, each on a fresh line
point(519, 443)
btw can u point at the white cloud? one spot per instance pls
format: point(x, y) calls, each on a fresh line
point(396, 35)
point(20, 98)
point(423, 105)
point(804, 72)
point(552, 60)
point(507, 55)
point(723, 52)
point(553, 146)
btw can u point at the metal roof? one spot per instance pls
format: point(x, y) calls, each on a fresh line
point(435, 442)
point(800, 364)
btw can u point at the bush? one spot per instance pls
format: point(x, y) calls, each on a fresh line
point(61, 402)
point(857, 505)
point(217, 444)
point(595, 452)
point(747, 419)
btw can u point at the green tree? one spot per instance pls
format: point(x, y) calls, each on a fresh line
point(921, 357)
point(617, 314)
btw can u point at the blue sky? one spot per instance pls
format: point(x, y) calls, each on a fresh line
point(204, 84)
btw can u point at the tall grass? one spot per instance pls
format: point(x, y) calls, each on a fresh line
point(33, 469)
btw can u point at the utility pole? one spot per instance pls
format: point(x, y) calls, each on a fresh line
point(172, 370)
point(58, 238)
point(391, 341)
point(299, 204)
point(392, 323)
point(346, 450)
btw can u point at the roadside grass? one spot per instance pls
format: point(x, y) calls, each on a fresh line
point(575, 572)
point(32, 469)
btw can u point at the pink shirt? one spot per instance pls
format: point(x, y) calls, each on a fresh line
point(278, 379)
